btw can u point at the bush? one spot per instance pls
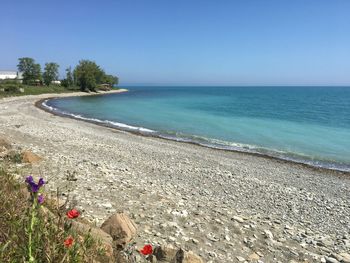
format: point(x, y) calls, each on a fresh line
point(10, 88)
point(64, 83)
point(9, 81)
point(104, 87)
point(34, 83)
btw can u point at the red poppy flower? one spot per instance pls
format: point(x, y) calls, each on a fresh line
point(147, 250)
point(68, 242)
point(73, 213)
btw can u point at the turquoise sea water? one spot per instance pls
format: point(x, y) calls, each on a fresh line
point(303, 124)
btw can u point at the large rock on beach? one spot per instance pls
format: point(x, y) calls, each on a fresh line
point(121, 228)
point(5, 146)
point(170, 254)
point(29, 157)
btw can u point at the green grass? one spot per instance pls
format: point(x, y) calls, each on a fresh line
point(33, 90)
point(30, 90)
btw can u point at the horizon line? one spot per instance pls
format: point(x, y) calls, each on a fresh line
point(236, 85)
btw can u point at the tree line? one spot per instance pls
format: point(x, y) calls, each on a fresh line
point(87, 75)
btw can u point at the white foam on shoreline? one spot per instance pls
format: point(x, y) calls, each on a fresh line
point(109, 123)
point(44, 103)
point(254, 149)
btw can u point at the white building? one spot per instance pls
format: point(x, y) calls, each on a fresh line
point(56, 82)
point(8, 74)
point(11, 75)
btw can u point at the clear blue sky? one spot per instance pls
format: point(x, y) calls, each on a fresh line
point(226, 42)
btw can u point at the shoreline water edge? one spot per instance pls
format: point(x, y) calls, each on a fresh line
point(42, 104)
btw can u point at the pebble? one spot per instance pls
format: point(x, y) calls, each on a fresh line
point(331, 260)
point(107, 205)
point(238, 219)
point(240, 259)
point(268, 234)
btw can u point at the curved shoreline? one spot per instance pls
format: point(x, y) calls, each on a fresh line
point(39, 104)
point(184, 194)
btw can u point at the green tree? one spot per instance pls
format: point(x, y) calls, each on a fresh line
point(50, 73)
point(69, 76)
point(69, 80)
point(88, 75)
point(31, 71)
point(110, 79)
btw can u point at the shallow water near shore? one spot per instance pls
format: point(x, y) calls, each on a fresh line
point(303, 124)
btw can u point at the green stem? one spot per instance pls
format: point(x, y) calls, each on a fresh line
point(31, 229)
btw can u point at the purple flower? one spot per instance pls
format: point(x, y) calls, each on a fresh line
point(41, 199)
point(41, 182)
point(33, 186)
point(29, 179)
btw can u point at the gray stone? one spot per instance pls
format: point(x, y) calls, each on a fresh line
point(331, 260)
point(238, 219)
point(240, 259)
point(268, 234)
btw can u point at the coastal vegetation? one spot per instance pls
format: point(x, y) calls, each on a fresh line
point(11, 88)
point(89, 76)
point(51, 73)
point(34, 228)
point(68, 81)
point(31, 71)
point(86, 76)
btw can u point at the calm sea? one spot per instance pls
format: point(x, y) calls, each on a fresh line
point(303, 124)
